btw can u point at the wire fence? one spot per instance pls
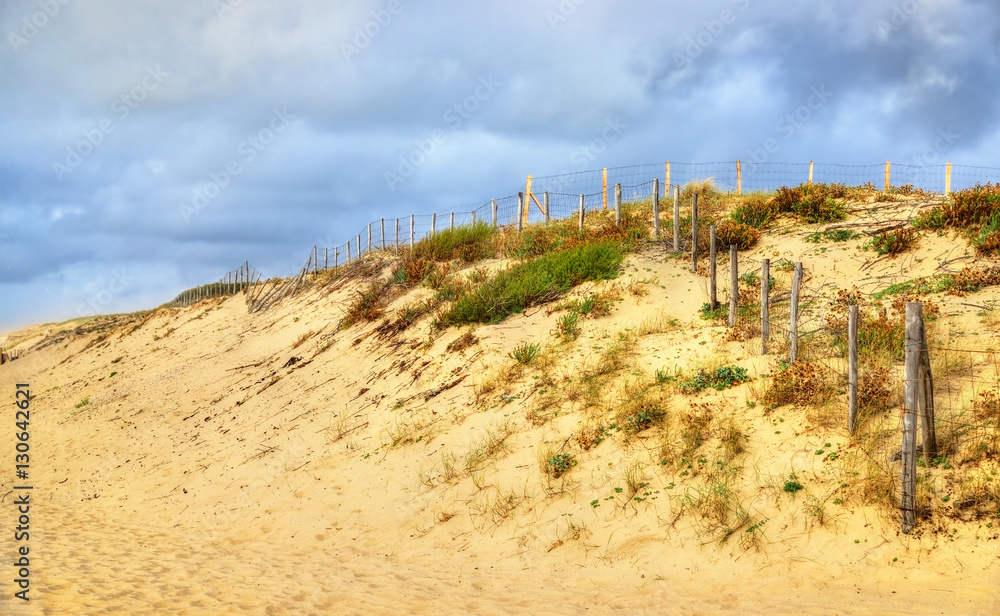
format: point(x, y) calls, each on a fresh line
point(233, 282)
point(558, 196)
point(956, 391)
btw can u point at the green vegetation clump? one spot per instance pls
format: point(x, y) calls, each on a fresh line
point(730, 232)
point(813, 203)
point(525, 353)
point(722, 378)
point(758, 210)
point(894, 242)
point(565, 234)
point(467, 243)
point(721, 312)
point(975, 210)
point(837, 235)
point(536, 281)
point(560, 464)
point(792, 485)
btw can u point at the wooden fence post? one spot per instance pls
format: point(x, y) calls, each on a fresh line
point(947, 178)
point(694, 233)
point(451, 220)
point(739, 178)
point(604, 187)
point(656, 209)
point(520, 211)
point(348, 253)
point(581, 213)
point(677, 218)
point(381, 225)
point(411, 232)
point(434, 217)
point(525, 210)
point(765, 315)
point(908, 489)
point(927, 400)
point(397, 237)
point(734, 285)
point(315, 260)
point(810, 172)
point(666, 179)
point(793, 335)
point(473, 223)
point(359, 245)
point(369, 237)
point(545, 200)
point(618, 204)
point(852, 374)
point(888, 167)
point(713, 297)
point(493, 206)
point(326, 258)
point(336, 258)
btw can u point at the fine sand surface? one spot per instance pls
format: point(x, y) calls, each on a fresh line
point(214, 475)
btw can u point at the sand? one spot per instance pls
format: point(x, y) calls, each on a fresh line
point(212, 475)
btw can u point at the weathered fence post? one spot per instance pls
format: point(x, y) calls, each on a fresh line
point(359, 245)
point(545, 200)
point(451, 220)
point(734, 285)
point(381, 224)
point(336, 258)
point(411, 232)
point(765, 292)
point(677, 218)
point(852, 371)
point(618, 205)
point(326, 258)
point(713, 296)
point(581, 213)
point(908, 489)
point(493, 206)
point(315, 260)
point(793, 335)
point(520, 210)
point(474, 217)
point(397, 237)
point(433, 224)
point(348, 253)
point(656, 209)
point(369, 237)
point(694, 233)
point(927, 400)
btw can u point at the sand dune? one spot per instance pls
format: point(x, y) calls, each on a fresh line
point(214, 473)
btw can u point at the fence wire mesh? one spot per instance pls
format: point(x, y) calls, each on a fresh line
point(562, 194)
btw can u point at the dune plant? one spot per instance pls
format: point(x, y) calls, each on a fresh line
point(536, 281)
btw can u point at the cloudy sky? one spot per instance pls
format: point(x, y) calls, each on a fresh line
point(151, 146)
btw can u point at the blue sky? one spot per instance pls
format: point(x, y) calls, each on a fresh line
point(151, 146)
